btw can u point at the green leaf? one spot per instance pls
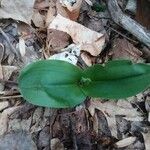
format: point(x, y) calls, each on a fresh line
point(58, 84)
point(51, 83)
point(117, 79)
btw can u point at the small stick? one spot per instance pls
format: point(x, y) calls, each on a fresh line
point(10, 97)
point(8, 81)
point(8, 41)
point(141, 33)
point(123, 35)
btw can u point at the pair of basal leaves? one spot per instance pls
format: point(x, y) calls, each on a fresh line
point(59, 84)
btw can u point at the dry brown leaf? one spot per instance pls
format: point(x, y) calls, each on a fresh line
point(60, 8)
point(51, 13)
point(7, 71)
point(122, 49)
point(69, 54)
point(38, 19)
point(89, 40)
point(72, 8)
point(112, 109)
point(5, 74)
point(125, 142)
point(146, 137)
point(4, 105)
point(72, 4)
point(86, 58)
point(20, 10)
point(56, 144)
point(41, 4)
point(57, 40)
point(4, 118)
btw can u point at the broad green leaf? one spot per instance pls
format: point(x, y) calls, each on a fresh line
point(58, 84)
point(51, 83)
point(117, 79)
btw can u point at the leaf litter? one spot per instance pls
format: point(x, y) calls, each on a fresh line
point(55, 29)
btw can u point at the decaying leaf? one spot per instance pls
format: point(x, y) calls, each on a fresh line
point(86, 58)
point(125, 142)
point(19, 140)
point(122, 49)
point(89, 40)
point(51, 13)
point(4, 118)
point(146, 137)
point(56, 144)
point(22, 46)
point(69, 54)
point(38, 19)
point(57, 40)
point(112, 109)
point(64, 8)
point(40, 4)
point(71, 4)
point(20, 10)
point(7, 71)
point(72, 8)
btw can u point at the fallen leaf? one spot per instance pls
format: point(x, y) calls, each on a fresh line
point(41, 4)
point(38, 19)
point(112, 109)
point(51, 13)
point(125, 142)
point(71, 5)
point(20, 140)
point(22, 46)
point(86, 58)
point(56, 144)
point(72, 8)
point(122, 49)
point(57, 40)
point(4, 105)
point(146, 137)
point(18, 124)
point(20, 10)
point(7, 71)
point(69, 54)
point(5, 74)
point(4, 118)
point(89, 40)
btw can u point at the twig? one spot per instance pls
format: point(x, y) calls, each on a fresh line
point(123, 35)
point(8, 81)
point(127, 23)
point(10, 97)
point(8, 41)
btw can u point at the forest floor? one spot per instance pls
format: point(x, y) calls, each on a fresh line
point(27, 35)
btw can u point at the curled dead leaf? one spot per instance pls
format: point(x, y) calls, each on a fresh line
point(20, 10)
point(125, 142)
point(123, 49)
point(57, 40)
point(72, 8)
point(89, 40)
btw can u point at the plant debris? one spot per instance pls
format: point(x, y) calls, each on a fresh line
point(84, 33)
